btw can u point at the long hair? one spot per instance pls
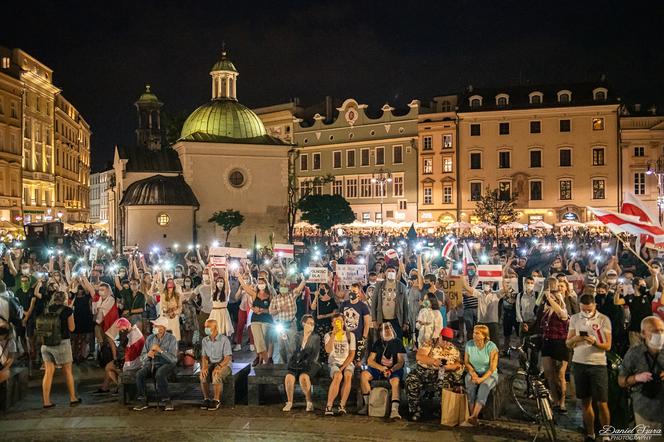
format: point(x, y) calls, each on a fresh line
point(217, 291)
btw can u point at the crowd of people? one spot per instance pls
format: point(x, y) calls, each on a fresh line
point(580, 296)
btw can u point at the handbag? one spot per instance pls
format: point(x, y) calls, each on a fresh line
point(453, 408)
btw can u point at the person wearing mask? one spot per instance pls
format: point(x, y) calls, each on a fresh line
point(189, 319)
point(526, 306)
point(85, 325)
point(216, 360)
point(390, 303)
point(133, 302)
point(589, 337)
point(642, 372)
point(487, 309)
point(283, 308)
point(158, 357)
point(203, 296)
point(469, 300)
point(220, 313)
point(323, 308)
point(125, 357)
point(481, 362)
point(568, 294)
point(261, 320)
point(655, 282)
point(171, 307)
point(640, 307)
point(357, 320)
point(303, 363)
point(415, 285)
point(609, 303)
point(340, 346)
point(243, 313)
point(25, 293)
point(385, 362)
point(60, 353)
point(554, 324)
point(507, 296)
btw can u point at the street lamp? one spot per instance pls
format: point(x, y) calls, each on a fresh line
point(382, 177)
point(658, 169)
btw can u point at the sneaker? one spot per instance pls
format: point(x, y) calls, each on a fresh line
point(169, 406)
point(251, 347)
point(416, 417)
point(214, 405)
point(394, 414)
point(341, 410)
point(141, 407)
point(310, 407)
point(287, 407)
point(205, 404)
point(328, 411)
point(237, 347)
point(364, 410)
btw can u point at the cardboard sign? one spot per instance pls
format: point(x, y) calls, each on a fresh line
point(93, 253)
point(452, 287)
point(218, 261)
point(490, 272)
point(318, 275)
point(284, 250)
point(233, 252)
point(352, 273)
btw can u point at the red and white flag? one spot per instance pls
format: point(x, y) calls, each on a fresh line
point(105, 310)
point(490, 272)
point(467, 257)
point(284, 250)
point(132, 353)
point(622, 223)
point(447, 248)
point(633, 206)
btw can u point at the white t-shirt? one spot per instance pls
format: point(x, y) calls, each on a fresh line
point(205, 291)
point(599, 327)
point(341, 349)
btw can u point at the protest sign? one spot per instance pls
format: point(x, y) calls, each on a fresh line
point(452, 287)
point(233, 252)
point(129, 250)
point(317, 275)
point(351, 273)
point(93, 253)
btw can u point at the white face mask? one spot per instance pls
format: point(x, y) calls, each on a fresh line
point(206, 281)
point(25, 271)
point(586, 315)
point(530, 287)
point(261, 286)
point(220, 285)
point(487, 288)
point(391, 276)
point(656, 341)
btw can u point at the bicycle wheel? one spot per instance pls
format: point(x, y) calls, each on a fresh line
point(546, 418)
point(522, 394)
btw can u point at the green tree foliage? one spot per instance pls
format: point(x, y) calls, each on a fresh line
point(326, 210)
point(496, 208)
point(227, 220)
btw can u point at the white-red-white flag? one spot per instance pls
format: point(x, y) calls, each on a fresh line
point(467, 257)
point(284, 250)
point(490, 272)
point(633, 206)
point(135, 343)
point(447, 248)
point(623, 223)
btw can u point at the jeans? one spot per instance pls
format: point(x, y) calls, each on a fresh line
point(160, 373)
point(480, 393)
point(469, 319)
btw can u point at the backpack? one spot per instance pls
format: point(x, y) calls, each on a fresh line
point(47, 327)
point(379, 400)
point(15, 309)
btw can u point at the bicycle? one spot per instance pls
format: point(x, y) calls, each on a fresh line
point(531, 394)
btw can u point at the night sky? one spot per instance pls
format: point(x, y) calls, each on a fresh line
point(103, 53)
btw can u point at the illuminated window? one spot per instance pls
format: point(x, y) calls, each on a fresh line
point(236, 178)
point(447, 141)
point(163, 219)
point(639, 183)
point(447, 164)
point(428, 166)
point(598, 123)
point(599, 187)
point(447, 194)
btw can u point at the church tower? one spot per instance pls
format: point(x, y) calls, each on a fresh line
point(149, 133)
point(224, 79)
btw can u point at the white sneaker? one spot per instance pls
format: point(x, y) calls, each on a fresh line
point(251, 347)
point(237, 347)
point(310, 406)
point(287, 407)
point(394, 414)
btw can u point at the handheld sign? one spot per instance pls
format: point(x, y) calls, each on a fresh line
point(317, 275)
point(233, 252)
point(352, 273)
point(452, 286)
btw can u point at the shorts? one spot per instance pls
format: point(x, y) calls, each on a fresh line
point(379, 376)
point(334, 368)
point(216, 378)
point(555, 349)
point(58, 354)
point(591, 381)
point(311, 371)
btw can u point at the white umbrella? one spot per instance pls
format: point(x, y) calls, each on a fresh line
point(512, 225)
point(569, 223)
point(389, 224)
point(594, 223)
point(459, 225)
point(540, 225)
point(427, 225)
point(302, 225)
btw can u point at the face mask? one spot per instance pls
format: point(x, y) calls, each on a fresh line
point(386, 336)
point(530, 287)
point(656, 341)
point(308, 328)
point(25, 271)
point(586, 315)
point(487, 288)
point(261, 286)
point(322, 291)
point(611, 280)
point(208, 331)
point(413, 277)
point(220, 285)
point(338, 324)
point(187, 284)
point(391, 276)
point(178, 274)
point(471, 272)
point(283, 290)
point(121, 275)
point(25, 286)
point(426, 304)
point(155, 330)
point(206, 280)
point(352, 296)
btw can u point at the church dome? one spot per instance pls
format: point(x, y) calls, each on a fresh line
point(223, 119)
point(159, 190)
point(148, 96)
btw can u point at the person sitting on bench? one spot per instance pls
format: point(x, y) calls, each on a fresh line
point(303, 364)
point(216, 359)
point(158, 358)
point(340, 346)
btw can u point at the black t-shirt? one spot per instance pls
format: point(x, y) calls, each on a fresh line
point(386, 353)
point(639, 308)
point(64, 316)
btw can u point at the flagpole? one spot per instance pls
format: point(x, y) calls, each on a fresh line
point(626, 245)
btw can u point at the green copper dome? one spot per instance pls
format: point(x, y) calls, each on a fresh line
point(224, 64)
point(148, 96)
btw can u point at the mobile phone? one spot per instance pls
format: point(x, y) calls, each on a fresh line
point(583, 333)
point(443, 362)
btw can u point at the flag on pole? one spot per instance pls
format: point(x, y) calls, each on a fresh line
point(622, 223)
point(633, 206)
point(447, 248)
point(467, 257)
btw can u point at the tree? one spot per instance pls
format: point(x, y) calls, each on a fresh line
point(297, 192)
point(326, 210)
point(227, 220)
point(496, 208)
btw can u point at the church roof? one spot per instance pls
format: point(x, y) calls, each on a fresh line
point(148, 96)
point(160, 190)
point(142, 159)
point(224, 64)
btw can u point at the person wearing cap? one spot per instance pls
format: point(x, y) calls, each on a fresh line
point(158, 357)
point(390, 302)
point(431, 357)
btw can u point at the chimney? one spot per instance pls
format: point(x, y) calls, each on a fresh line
point(653, 110)
point(470, 88)
point(329, 111)
point(637, 107)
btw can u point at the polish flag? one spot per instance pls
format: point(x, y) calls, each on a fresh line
point(490, 272)
point(284, 250)
point(132, 353)
point(622, 223)
point(105, 310)
point(447, 248)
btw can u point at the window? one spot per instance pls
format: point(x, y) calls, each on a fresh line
point(316, 161)
point(427, 167)
point(364, 157)
point(475, 102)
point(598, 189)
point(6, 62)
point(336, 159)
point(639, 183)
point(598, 123)
point(564, 97)
point(504, 160)
point(504, 190)
point(475, 191)
point(14, 114)
point(599, 94)
point(565, 125)
point(501, 101)
point(304, 162)
point(403, 205)
point(447, 194)
point(428, 195)
point(535, 98)
point(598, 156)
point(535, 190)
point(447, 164)
point(163, 219)
point(338, 187)
point(350, 158)
point(535, 158)
point(236, 178)
point(639, 151)
point(351, 187)
point(504, 128)
point(476, 160)
point(565, 157)
point(475, 130)
point(317, 188)
point(365, 187)
point(397, 186)
point(378, 217)
point(397, 154)
point(535, 127)
point(380, 189)
point(447, 141)
point(565, 189)
point(427, 143)
point(366, 216)
point(380, 155)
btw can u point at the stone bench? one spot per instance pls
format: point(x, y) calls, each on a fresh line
point(494, 404)
point(14, 389)
point(234, 388)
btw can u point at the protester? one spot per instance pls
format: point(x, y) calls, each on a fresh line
point(554, 324)
point(8, 349)
point(357, 319)
point(283, 308)
point(390, 303)
point(481, 361)
point(216, 359)
point(323, 309)
point(340, 346)
point(261, 320)
point(303, 363)
point(220, 299)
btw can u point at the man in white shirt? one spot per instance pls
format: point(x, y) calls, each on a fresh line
point(589, 336)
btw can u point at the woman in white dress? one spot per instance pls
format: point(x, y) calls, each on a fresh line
point(171, 307)
point(219, 311)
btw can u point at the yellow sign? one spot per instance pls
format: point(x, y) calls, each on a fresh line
point(452, 287)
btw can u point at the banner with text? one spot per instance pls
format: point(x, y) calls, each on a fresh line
point(317, 275)
point(351, 273)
